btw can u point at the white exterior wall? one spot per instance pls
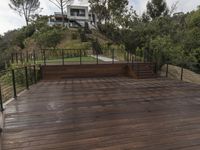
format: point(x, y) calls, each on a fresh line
point(79, 19)
point(86, 18)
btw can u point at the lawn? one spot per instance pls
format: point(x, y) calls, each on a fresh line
point(73, 59)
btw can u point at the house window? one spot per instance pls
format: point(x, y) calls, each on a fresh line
point(78, 12)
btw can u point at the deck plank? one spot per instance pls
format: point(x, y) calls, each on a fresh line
point(112, 113)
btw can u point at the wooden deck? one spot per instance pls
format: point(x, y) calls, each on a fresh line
point(105, 114)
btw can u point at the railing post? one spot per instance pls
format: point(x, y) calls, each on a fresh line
point(1, 100)
point(35, 75)
point(128, 57)
point(44, 57)
point(27, 60)
point(138, 69)
point(80, 57)
point(182, 73)
point(132, 59)
point(132, 63)
point(155, 67)
point(41, 72)
point(97, 55)
point(14, 84)
point(113, 56)
point(34, 57)
point(12, 58)
point(26, 78)
point(63, 57)
point(16, 58)
point(21, 58)
point(167, 70)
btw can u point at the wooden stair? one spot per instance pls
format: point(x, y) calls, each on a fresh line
point(142, 70)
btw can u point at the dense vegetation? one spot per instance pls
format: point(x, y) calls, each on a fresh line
point(157, 35)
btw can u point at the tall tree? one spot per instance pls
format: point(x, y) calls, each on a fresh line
point(99, 7)
point(25, 8)
point(157, 8)
point(108, 9)
point(61, 4)
point(117, 8)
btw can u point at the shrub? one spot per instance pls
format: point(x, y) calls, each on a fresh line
point(74, 36)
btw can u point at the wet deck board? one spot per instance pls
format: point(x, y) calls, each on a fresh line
point(105, 114)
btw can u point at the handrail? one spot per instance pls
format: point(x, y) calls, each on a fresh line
point(17, 68)
point(59, 53)
point(67, 49)
point(12, 79)
point(181, 66)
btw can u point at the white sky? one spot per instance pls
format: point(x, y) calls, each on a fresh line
point(11, 20)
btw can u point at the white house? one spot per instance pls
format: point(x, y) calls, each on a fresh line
point(75, 16)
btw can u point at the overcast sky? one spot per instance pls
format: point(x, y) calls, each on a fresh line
point(11, 20)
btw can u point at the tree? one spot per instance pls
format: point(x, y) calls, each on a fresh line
point(49, 38)
point(117, 8)
point(99, 8)
point(25, 8)
point(157, 8)
point(109, 9)
point(192, 34)
point(61, 4)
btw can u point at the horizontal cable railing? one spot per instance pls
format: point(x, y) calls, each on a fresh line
point(70, 56)
point(14, 81)
point(180, 70)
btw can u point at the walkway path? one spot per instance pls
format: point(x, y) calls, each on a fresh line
point(103, 58)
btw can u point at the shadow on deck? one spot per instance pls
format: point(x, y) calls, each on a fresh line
point(117, 113)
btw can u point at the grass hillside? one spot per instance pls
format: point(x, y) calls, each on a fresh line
point(175, 73)
point(72, 40)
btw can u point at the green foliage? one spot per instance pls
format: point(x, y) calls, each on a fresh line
point(160, 39)
point(157, 8)
point(99, 8)
point(40, 22)
point(111, 31)
point(193, 19)
point(117, 8)
point(156, 35)
point(25, 8)
point(87, 29)
point(97, 46)
point(83, 35)
point(49, 37)
point(74, 36)
point(109, 10)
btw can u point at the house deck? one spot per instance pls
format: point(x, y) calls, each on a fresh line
point(112, 113)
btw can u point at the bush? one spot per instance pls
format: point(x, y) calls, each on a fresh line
point(83, 36)
point(50, 38)
point(74, 36)
point(97, 47)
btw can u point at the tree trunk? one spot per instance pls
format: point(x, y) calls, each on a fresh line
point(26, 20)
point(62, 11)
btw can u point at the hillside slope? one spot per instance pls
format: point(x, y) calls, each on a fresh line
point(72, 40)
point(175, 73)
